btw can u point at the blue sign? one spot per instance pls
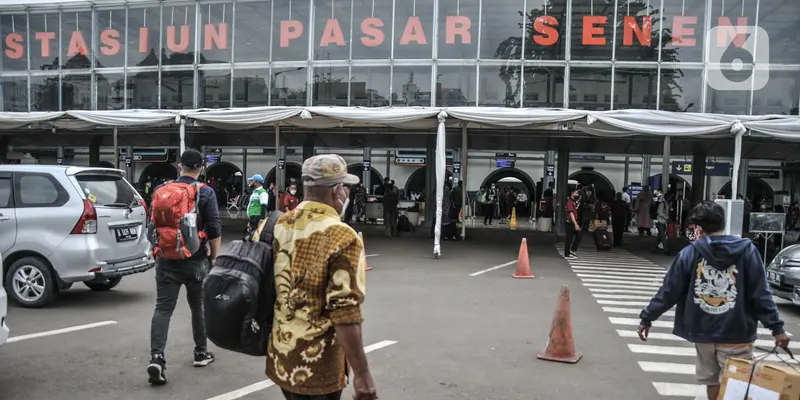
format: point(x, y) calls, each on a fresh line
point(212, 158)
point(634, 190)
point(712, 168)
point(504, 164)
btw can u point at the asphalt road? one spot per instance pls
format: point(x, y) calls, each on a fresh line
point(455, 336)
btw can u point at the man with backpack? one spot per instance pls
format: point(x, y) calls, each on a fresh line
point(186, 233)
point(320, 273)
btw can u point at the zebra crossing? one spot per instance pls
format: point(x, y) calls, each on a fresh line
point(622, 284)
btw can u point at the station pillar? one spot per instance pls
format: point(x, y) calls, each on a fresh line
point(665, 166)
point(308, 149)
point(366, 167)
point(742, 185)
point(244, 170)
point(430, 180)
point(626, 175)
point(562, 187)
point(129, 164)
point(388, 164)
point(549, 159)
point(698, 177)
point(280, 180)
point(647, 161)
point(60, 155)
point(3, 149)
point(94, 150)
point(203, 153)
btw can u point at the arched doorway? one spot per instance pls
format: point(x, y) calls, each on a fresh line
point(510, 178)
point(676, 184)
point(293, 171)
point(158, 173)
point(603, 186)
point(226, 179)
point(375, 177)
point(415, 185)
point(757, 191)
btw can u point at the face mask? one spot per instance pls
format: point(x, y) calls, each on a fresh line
point(344, 203)
point(293, 192)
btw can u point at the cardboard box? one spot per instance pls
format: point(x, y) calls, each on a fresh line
point(771, 381)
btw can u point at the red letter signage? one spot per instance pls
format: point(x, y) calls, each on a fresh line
point(591, 30)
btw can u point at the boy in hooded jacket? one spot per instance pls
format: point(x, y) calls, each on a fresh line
point(720, 287)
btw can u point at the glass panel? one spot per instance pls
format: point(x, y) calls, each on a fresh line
point(44, 93)
point(143, 90)
point(332, 29)
point(13, 30)
point(593, 29)
point(253, 31)
point(590, 89)
point(544, 87)
point(110, 91)
point(290, 24)
point(458, 28)
point(76, 39)
point(369, 86)
point(330, 86)
point(638, 24)
point(780, 96)
point(144, 31)
point(501, 29)
point(726, 46)
point(215, 35)
point(635, 88)
point(76, 92)
point(177, 89)
point(44, 44)
point(780, 22)
point(545, 29)
point(111, 36)
point(455, 86)
point(372, 29)
point(108, 190)
point(411, 86)
point(413, 29)
point(681, 90)
point(682, 38)
point(500, 85)
point(250, 87)
point(215, 89)
point(288, 86)
point(15, 94)
point(729, 101)
point(177, 36)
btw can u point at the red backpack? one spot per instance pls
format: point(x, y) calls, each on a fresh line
point(173, 216)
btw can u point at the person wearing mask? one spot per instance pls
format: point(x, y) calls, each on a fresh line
point(619, 218)
point(391, 199)
point(522, 204)
point(572, 238)
point(490, 204)
point(642, 209)
point(316, 341)
point(720, 288)
point(626, 197)
point(259, 200)
point(172, 273)
point(662, 218)
point(290, 200)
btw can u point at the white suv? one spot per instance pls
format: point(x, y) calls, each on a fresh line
point(3, 312)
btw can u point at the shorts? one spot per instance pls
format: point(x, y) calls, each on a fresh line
point(711, 359)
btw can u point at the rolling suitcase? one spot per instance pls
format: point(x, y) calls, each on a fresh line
point(603, 239)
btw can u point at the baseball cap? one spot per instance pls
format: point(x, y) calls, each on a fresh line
point(257, 177)
point(326, 170)
point(192, 159)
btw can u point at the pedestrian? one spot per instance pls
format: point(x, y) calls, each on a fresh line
point(643, 220)
point(572, 238)
point(290, 200)
point(320, 280)
point(619, 218)
point(626, 197)
point(662, 219)
point(174, 272)
point(522, 204)
point(720, 287)
point(272, 203)
point(489, 202)
point(259, 202)
point(391, 198)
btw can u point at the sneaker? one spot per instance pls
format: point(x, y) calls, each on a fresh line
point(570, 257)
point(157, 369)
point(203, 358)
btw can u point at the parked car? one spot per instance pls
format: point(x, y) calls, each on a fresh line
point(65, 224)
point(4, 330)
point(783, 272)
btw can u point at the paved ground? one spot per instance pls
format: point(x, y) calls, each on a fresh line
point(457, 336)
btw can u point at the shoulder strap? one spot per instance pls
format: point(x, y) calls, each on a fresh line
point(197, 185)
point(266, 227)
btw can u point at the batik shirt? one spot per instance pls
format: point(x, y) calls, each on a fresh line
point(320, 280)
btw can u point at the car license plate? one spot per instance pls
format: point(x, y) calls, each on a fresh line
point(775, 277)
point(126, 234)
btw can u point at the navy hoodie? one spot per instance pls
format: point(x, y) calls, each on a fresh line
point(719, 285)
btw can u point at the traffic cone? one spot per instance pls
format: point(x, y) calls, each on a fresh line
point(561, 345)
point(363, 251)
point(513, 222)
point(523, 263)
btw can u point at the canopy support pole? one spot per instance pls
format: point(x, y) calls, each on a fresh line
point(737, 161)
point(182, 134)
point(665, 166)
point(441, 154)
point(463, 178)
point(116, 149)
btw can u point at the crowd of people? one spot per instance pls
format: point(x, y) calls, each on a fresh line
point(498, 203)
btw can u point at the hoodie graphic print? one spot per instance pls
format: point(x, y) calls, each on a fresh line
point(715, 289)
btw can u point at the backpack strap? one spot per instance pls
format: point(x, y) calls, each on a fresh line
point(266, 227)
point(197, 185)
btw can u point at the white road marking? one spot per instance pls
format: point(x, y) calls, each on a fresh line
point(623, 303)
point(667, 368)
point(371, 255)
point(651, 279)
point(632, 290)
point(59, 331)
point(239, 393)
point(763, 343)
point(669, 324)
point(616, 263)
point(626, 270)
point(679, 389)
point(623, 282)
point(599, 289)
point(493, 268)
point(621, 297)
point(634, 311)
point(691, 352)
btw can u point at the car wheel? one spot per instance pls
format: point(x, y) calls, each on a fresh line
point(103, 286)
point(31, 283)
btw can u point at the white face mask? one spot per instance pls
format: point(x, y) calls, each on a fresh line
point(344, 203)
point(293, 192)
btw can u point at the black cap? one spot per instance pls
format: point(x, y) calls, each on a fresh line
point(192, 159)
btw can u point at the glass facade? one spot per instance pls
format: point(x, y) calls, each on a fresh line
point(583, 54)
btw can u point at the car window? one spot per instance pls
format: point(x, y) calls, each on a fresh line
point(38, 190)
point(103, 190)
point(5, 192)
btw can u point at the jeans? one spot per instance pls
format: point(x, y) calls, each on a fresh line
point(572, 239)
point(293, 396)
point(488, 213)
point(619, 230)
point(662, 235)
point(390, 222)
point(170, 276)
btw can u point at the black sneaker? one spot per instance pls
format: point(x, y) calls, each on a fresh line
point(203, 358)
point(157, 369)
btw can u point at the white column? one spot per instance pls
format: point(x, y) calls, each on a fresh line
point(737, 160)
point(665, 166)
point(463, 178)
point(441, 165)
point(182, 133)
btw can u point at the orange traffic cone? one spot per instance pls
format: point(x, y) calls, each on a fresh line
point(363, 251)
point(561, 345)
point(523, 263)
